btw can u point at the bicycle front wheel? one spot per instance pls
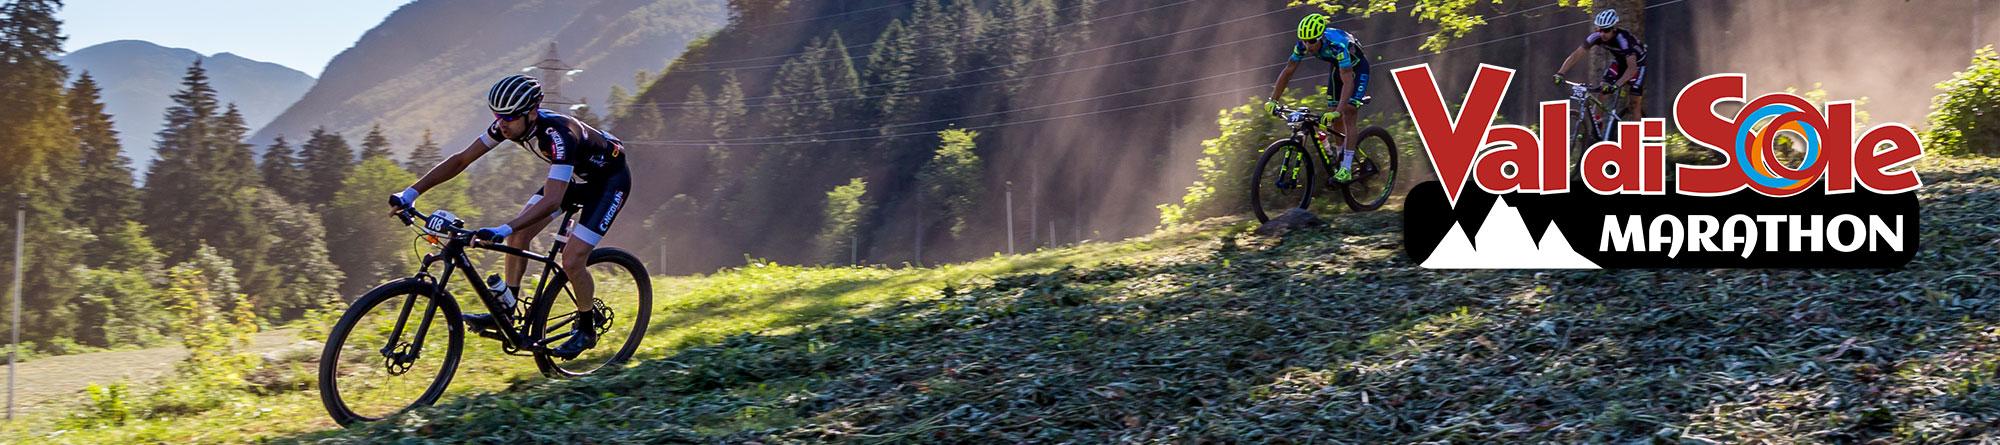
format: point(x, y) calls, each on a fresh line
point(624, 296)
point(1283, 180)
point(1374, 171)
point(396, 348)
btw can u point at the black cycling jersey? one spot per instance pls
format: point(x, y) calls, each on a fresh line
point(1621, 44)
point(591, 155)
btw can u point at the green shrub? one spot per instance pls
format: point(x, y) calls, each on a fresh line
point(1964, 119)
point(110, 405)
point(1224, 187)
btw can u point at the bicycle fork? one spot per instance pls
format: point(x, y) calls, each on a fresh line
point(399, 355)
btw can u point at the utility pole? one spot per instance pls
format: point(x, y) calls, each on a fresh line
point(20, 226)
point(919, 261)
point(1010, 217)
point(853, 250)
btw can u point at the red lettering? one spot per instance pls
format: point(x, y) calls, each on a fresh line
point(1869, 164)
point(1694, 114)
point(1555, 146)
point(1452, 142)
point(1518, 147)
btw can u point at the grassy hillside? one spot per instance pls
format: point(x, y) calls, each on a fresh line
point(1207, 332)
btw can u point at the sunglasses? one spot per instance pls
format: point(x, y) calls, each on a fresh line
point(509, 117)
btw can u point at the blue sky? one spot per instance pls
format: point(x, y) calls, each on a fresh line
point(300, 34)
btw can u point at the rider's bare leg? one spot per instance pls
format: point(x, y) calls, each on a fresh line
point(575, 263)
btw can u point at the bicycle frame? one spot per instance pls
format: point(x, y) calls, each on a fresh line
point(1586, 104)
point(452, 253)
point(1307, 124)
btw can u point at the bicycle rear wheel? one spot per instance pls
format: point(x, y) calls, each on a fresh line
point(1374, 171)
point(384, 355)
point(1283, 180)
point(623, 292)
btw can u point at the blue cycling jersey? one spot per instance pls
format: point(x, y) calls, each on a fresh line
point(1337, 46)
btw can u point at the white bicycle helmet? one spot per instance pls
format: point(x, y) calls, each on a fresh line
point(1607, 19)
point(515, 94)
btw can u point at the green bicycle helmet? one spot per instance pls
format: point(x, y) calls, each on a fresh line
point(1312, 27)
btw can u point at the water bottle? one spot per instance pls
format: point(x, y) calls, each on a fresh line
point(494, 283)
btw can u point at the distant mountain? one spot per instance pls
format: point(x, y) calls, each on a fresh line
point(139, 77)
point(428, 64)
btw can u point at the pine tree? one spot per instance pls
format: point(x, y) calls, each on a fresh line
point(375, 145)
point(105, 197)
point(281, 173)
point(228, 223)
point(840, 82)
point(695, 118)
point(42, 164)
point(889, 71)
point(326, 160)
point(174, 181)
point(936, 59)
point(798, 85)
point(728, 111)
point(427, 154)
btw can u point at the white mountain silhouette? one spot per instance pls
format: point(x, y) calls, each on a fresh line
point(1504, 243)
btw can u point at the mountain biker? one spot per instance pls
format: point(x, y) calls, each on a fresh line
point(1628, 62)
point(1343, 51)
point(586, 171)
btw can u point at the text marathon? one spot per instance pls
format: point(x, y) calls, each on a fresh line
point(1506, 198)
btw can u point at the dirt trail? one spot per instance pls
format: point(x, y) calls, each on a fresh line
point(53, 381)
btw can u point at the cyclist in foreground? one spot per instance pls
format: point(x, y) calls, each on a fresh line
point(1350, 68)
point(1628, 62)
point(586, 170)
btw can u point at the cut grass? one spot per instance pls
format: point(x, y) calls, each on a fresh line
point(759, 298)
point(1202, 333)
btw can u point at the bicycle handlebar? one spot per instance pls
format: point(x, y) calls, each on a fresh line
point(452, 229)
point(1295, 115)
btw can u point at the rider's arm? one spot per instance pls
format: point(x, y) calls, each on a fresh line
point(1284, 77)
point(453, 165)
point(552, 196)
point(1571, 61)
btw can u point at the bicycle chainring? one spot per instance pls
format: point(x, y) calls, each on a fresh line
point(604, 316)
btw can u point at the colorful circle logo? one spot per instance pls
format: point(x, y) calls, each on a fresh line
point(1756, 147)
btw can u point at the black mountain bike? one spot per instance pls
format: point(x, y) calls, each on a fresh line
point(397, 347)
point(1284, 177)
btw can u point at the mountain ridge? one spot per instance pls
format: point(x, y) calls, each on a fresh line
point(139, 77)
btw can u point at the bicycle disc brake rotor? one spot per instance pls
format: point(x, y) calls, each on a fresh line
point(399, 362)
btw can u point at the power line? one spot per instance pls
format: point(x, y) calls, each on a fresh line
point(850, 48)
point(685, 105)
point(735, 141)
point(953, 87)
point(828, 16)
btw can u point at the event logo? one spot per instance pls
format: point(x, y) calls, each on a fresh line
point(1505, 196)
